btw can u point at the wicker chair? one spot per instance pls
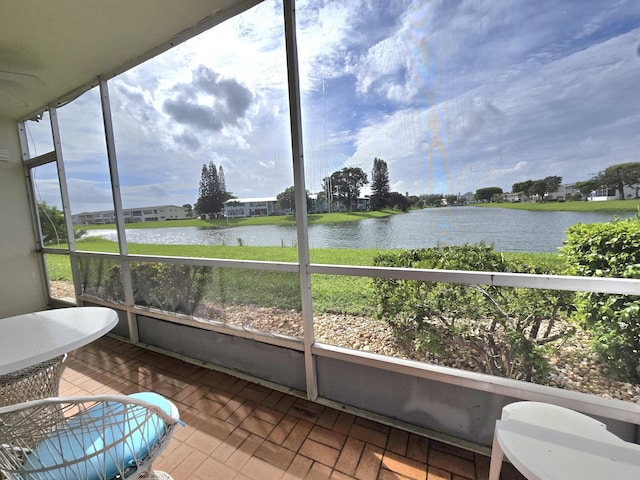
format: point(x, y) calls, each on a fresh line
point(31, 383)
point(87, 438)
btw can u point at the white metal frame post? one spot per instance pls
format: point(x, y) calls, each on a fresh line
point(37, 230)
point(300, 195)
point(117, 208)
point(64, 194)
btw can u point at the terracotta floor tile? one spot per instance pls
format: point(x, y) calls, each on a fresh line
point(188, 465)
point(368, 435)
point(254, 392)
point(369, 464)
point(434, 473)
point(327, 437)
point(336, 475)
point(452, 450)
point(257, 426)
point(452, 463)
point(299, 468)
point(343, 423)
point(398, 441)
point(203, 441)
point(319, 452)
point(243, 431)
point(275, 455)
point(482, 466)
point(365, 422)
point(207, 406)
point(242, 412)
point(318, 471)
point(418, 448)
point(350, 456)
point(283, 429)
point(258, 469)
point(272, 399)
point(385, 474)
point(212, 468)
point(328, 418)
point(242, 454)
point(297, 436)
point(230, 445)
point(304, 411)
point(285, 403)
point(267, 414)
point(404, 466)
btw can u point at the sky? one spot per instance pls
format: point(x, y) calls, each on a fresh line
point(453, 95)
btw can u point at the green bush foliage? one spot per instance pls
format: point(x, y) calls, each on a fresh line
point(182, 288)
point(609, 250)
point(504, 331)
point(173, 288)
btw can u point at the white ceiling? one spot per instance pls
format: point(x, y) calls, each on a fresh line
point(53, 50)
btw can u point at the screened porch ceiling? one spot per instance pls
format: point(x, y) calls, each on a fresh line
point(54, 51)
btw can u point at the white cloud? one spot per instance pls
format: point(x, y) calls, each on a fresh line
point(454, 96)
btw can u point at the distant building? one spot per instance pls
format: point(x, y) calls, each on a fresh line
point(363, 204)
point(252, 207)
point(131, 215)
point(515, 197)
point(568, 191)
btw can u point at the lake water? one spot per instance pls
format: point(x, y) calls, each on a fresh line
point(508, 230)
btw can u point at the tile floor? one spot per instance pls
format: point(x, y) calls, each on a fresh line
point(240, 430)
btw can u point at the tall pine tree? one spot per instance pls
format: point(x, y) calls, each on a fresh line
point(380, 195)
point(211, 193)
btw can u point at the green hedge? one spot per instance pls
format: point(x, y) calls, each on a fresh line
point(609, 250)
point(504, 331)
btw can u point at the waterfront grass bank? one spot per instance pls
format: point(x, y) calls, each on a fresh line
point(312, 218)
point(631, 205)
point(348, 294)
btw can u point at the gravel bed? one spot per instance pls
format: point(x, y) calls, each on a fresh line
point(573, 366)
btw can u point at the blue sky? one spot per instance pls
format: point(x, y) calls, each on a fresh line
point(453, 95)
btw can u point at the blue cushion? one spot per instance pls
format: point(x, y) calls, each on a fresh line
point(76, 441)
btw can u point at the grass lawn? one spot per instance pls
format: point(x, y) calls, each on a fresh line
point(609, 206)
point(313, 218)
point(331, 293)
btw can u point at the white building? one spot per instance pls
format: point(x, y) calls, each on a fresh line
point(131, 215)
point(252, 207)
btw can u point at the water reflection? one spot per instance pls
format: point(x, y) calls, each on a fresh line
point(508, 230)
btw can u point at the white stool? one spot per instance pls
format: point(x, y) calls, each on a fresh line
point(547, 442)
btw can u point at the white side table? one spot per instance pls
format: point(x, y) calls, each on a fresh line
point(32, 338)
point(547, 442)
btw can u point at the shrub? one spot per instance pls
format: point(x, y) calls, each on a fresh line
point(609, 250)
point(505, 331)
point(173, 288)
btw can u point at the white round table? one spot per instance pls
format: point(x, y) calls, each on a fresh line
point(32, 338)
point(545, 441)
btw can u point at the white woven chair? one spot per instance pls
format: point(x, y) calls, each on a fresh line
point(31, 383)
point(87, 438)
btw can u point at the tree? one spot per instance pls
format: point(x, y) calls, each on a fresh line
point(221, 181)
point(586, 187)
point(398, 201)
point(431, 199)
point(487, 193)
point(522, 187)
point(379, 185)
point(287, 199)
point(451, 199)
point(211, 194)
point(541, 187)
point(344, 185)
point(617, 176)
point(53, 226)
point(188, 210)
point(551, 184)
